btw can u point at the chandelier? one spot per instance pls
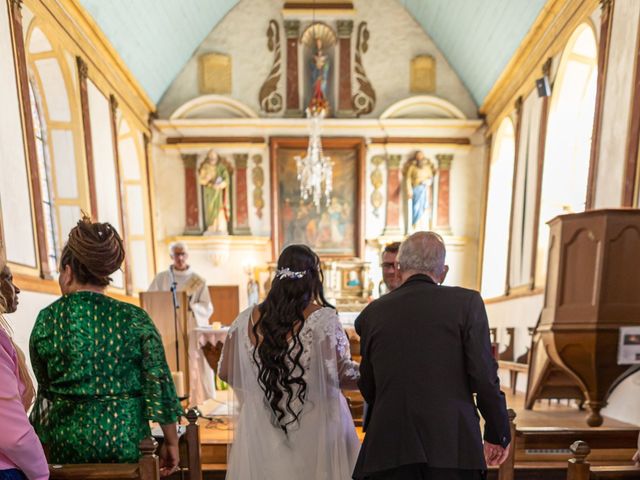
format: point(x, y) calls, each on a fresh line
point(315, 172)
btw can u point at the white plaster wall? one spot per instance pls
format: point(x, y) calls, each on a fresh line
point(168, 179)
point(23, 320)
point(617, 99)
point(395, 39)
point(623, 403)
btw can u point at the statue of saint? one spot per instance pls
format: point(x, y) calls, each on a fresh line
point(214, 175)
point(418, 179)
point(319, 79)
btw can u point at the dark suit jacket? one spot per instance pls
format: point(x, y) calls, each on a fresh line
point(425, 352)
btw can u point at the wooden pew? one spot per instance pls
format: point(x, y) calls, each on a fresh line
point(578, 468)
point(190, 450)
point(514, 368)
point(147, 468)
point(558, 439)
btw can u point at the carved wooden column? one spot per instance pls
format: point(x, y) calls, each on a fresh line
point(113, 112)
point(15, 15)
point(292, 31)
point(392, 224)
point(444, 169)
point(345, 105)
point(606, 19)
point(150, 198)
point(518, 109)
point(192, 207)
point(241, 217)
point(83, 75)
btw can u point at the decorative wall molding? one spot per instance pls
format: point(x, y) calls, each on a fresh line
point(423, 106)
point(213, 106)
point(364, 99)
point(257, 178)
point(270, 99)
point(376, 181)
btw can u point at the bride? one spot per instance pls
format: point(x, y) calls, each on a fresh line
point(287, 360)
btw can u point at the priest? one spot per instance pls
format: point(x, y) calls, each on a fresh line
point(184, 279)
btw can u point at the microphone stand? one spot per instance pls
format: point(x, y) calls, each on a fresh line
point(176, 306)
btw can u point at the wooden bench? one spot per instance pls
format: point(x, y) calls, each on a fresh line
point(514, 368)
point(578, 468)
point(147, 468)
point(548, 448)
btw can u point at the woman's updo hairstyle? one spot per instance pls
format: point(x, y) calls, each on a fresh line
point(93, 251)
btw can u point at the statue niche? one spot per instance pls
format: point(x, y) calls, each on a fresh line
point(214, 176)
point(318, 57)
point(418, 178)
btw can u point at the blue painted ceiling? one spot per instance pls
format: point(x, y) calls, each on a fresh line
point(477, 37)
point(156, 38)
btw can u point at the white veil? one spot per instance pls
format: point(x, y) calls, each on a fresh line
point(323, 444)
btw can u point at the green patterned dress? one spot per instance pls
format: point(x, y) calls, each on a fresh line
point(102, 375)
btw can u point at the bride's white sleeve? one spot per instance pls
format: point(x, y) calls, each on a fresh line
point(348, 370)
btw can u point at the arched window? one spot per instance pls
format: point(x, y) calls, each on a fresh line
point(44, 171)
point(496, 232)
point(568, 142)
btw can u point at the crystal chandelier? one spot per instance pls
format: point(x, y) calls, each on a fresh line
point(315, 172)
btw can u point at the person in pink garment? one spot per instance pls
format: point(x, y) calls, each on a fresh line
point(21, 453)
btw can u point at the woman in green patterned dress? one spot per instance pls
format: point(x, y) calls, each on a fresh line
point(100, 363)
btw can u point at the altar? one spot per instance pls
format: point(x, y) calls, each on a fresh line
point(325, 149)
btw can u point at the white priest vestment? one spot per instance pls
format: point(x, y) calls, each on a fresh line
point(201, 377)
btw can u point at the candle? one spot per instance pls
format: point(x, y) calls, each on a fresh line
point(216, 325)
point(178, 381)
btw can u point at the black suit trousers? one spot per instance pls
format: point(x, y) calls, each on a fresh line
point(421, 471)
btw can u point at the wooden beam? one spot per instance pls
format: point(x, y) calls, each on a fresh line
point(83, 72)
point(629, 191)
point(29, 138)
point(606, 20)
point(421, 140)
point(180, 140)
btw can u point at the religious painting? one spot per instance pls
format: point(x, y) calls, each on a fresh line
point(333, 228)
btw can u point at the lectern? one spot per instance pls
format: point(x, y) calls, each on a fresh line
point(159, 306)
point(592, 290)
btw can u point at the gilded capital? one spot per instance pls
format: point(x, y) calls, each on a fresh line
point(83, 69)
point(241, 160)
point(190, 160)
point(546, 67)
point(292, 28)
point(113, 101)
point(345, 28)
point(16, 4)
point(393, 161)
point(518, 105)
point(444, 161)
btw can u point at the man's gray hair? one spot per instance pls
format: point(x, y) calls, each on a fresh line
point(423, 252)
point(174, 245)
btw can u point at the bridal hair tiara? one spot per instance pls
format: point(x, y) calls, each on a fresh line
point(287, 273)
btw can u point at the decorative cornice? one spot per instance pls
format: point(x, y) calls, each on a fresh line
point(240, 160)
point(292, 28)
point(393, 161)
point(444, 160)
point(113, 102)
point(546, 67)
point(345, 28)
point(190, 160)
point(83, 69)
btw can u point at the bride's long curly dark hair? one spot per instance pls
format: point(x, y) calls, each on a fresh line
point(279, 349)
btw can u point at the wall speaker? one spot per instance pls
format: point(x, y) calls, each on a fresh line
point(544, 89)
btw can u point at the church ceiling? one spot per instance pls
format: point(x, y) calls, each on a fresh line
point(478, 37)
point(155, 38)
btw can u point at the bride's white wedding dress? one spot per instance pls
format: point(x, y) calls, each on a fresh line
point(323, 444)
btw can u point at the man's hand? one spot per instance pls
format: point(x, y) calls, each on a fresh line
point(636, 458)
point(495, 455)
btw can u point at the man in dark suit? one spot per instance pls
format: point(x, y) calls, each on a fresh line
point(426, 352)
